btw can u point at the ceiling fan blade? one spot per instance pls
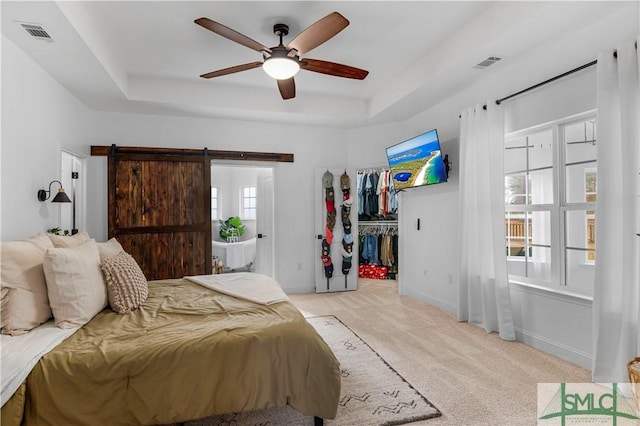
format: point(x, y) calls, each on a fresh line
point(232, 70)
point(232, 35)
point(318, 32)
point(331, 68)
point(287, 88)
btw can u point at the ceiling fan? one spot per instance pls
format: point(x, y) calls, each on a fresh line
point(283, 62)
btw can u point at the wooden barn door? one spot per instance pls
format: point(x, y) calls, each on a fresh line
point(160, 211)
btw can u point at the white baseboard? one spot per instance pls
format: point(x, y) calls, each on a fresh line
point(441, 304)
point(558, 349)
point(300, 289)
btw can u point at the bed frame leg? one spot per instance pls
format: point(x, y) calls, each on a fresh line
point(317, 421)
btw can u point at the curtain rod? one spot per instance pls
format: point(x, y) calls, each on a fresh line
point(535, 86)
point(559, 76)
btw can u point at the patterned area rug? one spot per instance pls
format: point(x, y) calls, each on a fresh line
point(373, 393)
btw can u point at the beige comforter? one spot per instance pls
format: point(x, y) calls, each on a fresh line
point(188, 353)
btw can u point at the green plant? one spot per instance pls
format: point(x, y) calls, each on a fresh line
point(58, 231)
point(232, 227)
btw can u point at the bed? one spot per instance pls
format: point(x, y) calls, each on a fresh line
point(188, 352)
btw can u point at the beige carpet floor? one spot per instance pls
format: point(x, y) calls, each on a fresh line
point(474, 378)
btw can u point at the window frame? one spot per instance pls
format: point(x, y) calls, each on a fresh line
point(244, 199)
point(558, 209)
point(216, 202)
point(590, 214)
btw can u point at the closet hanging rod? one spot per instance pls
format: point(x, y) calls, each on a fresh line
point(372, 169)
point(393, 223)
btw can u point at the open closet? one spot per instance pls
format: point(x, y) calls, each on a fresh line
point(377, 224)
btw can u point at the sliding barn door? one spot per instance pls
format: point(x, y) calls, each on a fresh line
point(160, 211)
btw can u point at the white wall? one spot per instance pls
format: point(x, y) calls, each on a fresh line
point(294, 183)
point(428, 258)
point(39, 119)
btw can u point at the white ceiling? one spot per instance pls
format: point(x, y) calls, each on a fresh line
point(146, 56)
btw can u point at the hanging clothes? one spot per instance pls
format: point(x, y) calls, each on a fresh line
point(378, 242)
point(383, 194)
point(378, 247)
point(377, 199)
point(371, 205)
point(369, 249)
point(387, 257)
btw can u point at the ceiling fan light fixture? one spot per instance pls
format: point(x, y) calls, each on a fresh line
point(281, 68)
point(282, 62)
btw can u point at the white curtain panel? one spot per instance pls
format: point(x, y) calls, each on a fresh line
point(483, 287)
point(616, 298)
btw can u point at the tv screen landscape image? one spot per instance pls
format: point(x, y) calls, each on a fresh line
point(417, 162)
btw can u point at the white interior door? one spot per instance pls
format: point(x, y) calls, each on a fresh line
point(339, 281)
point(72, 217)
point(265, 235)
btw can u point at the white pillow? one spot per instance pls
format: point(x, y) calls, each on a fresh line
point(109, 249)
point(69, 240)
point(25, 304)
point(127, 286)
point(74, 283)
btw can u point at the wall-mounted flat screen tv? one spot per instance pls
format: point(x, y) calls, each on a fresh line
point(417, 162)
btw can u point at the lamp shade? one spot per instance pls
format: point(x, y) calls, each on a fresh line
point(61, 197)
point(281, 67)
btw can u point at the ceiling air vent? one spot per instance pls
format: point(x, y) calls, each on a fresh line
point(487, 62)
point(36, 31)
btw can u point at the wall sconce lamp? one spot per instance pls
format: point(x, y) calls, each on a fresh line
point(60, 197)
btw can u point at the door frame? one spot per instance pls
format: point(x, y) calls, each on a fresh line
point(77, 187)
point(273, 238)
point(272, 235)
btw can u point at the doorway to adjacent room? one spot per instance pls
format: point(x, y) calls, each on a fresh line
point(242, 218)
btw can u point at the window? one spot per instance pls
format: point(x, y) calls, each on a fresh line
point(590, 192)
point(215, 206)
point(550, 196)
point(248, 202)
